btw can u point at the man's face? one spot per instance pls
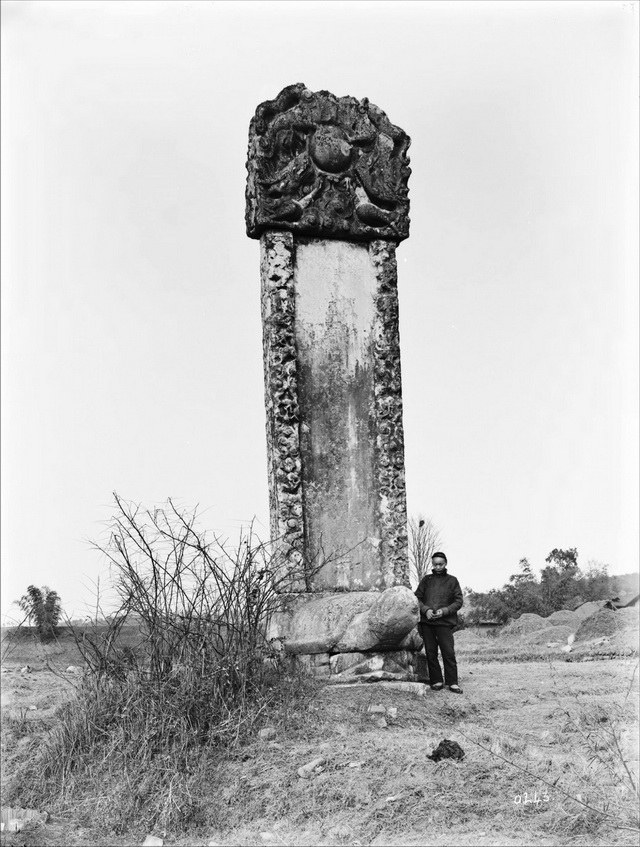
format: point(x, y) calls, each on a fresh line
point(438, 565)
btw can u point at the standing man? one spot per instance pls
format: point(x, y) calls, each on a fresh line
point(440, 597)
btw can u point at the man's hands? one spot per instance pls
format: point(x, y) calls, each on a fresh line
point(437, 614)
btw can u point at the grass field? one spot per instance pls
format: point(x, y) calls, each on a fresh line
point(551, 752)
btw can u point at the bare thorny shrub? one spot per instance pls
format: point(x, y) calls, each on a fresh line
point(424, 541)
point(149, 716)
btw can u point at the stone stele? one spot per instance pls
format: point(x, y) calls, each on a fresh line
point(327, 196)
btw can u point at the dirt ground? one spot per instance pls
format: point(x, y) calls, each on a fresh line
point(538, 767)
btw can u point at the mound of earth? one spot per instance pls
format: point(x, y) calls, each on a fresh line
point(468, 638)
point(524, 625)
point(548, 634)
point(624, 641)
point(587, 609)
point(563, 617)
point(606, 622)
point(630, 616)
point(621, 643)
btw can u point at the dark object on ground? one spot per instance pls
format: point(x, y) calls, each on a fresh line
point(447, 750)
point(625, 601)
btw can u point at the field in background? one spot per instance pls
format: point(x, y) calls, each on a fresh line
point(537, 730)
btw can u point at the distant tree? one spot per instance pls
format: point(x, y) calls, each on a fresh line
point(526, 574)
point(558, 579)
point(563, 560)
point(424, 541)
point(486, 606)
point(595, 583)
point(43, 609)
point(562, 585)
point(522, 592)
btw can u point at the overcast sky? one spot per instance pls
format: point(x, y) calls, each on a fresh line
point(131, 334)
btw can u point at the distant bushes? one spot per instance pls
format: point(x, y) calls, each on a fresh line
point(43, 609)
point(561, 585)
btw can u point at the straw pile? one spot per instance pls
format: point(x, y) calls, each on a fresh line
point(547, 635)
point(524, 625)
point(563, 618)
point(605, 623)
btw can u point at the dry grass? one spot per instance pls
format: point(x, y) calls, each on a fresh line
point(534, 727)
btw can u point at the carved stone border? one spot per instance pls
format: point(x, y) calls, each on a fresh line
point(283, 412)
point(388, 412)
point(281, 400)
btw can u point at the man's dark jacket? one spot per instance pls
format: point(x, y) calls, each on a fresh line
point(439, 591)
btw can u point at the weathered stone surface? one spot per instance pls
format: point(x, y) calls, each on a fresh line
point(393, 616)
point(412, 641)
point(377, 667)
point(317, 625)
point(333, 397)
point(326, 166)
point(315, 664)
point(307, 770)
point(372, 676)
point(281, 402)
point(417, 688)
point(356, 621)
point(340, 662)
point(327, 195)
point(389, 431)
point(374, 665)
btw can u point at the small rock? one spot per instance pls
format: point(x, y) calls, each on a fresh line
point(392, 711)
point(152, 841)
point(213, 843)
point(73, 669)
point(567, 648)
point(25, 669)
point(267, 837)
point(306, 770)
point(376, 710)
point(33, 708)
point(267, 733)
point(571, 638)
point(355, 764)
point(381, 723)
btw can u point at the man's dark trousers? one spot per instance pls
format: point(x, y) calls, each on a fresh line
point(435, 636)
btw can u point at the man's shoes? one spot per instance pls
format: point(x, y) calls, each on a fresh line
point(456, 689)
point(437, 686)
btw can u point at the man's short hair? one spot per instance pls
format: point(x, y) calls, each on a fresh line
point(439, 556)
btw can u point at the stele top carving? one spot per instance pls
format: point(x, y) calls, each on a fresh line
point(326, 167)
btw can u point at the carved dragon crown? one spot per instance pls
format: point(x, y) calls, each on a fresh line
point(327, 167)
